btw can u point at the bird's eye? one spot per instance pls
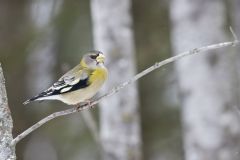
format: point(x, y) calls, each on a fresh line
point(93, 56)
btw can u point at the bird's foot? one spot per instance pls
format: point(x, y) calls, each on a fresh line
point(88, 102)
point(78, 106)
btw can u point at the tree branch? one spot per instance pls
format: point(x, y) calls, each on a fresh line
point(123, 85)
point(7, 152)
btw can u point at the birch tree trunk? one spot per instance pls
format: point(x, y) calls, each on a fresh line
point(210, 121)
point(42, 58)
point(7, 152)
point(41, 62)
point(235, 14)
point(119, 114)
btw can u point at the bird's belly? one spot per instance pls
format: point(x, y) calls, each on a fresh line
point(82, 95)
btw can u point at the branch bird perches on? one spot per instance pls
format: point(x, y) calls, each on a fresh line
point(123, 85)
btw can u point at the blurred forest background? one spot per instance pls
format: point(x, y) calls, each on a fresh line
point(186, 110)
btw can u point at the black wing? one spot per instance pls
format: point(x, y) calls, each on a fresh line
point(64, 85)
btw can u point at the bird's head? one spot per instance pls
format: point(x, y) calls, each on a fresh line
point(93, 59)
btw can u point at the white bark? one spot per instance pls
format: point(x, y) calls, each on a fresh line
point(119, 115)
point(211, 125)
point(42, 59)
point(7, 151)
point(41, 63)
point(235, 14)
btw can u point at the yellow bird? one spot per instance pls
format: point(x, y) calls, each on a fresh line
point(80, 83)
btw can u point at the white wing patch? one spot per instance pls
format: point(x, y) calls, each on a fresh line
point(65, 89)
point(64, 82)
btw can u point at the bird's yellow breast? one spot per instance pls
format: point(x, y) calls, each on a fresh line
point(99, 74)
point(96, 80)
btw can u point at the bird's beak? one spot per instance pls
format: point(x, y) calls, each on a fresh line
point(100, 58)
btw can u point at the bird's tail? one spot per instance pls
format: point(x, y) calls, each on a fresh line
point(31, 99)
point(46, 95)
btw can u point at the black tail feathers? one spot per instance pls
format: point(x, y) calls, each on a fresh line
point(46, 93)
point(31, 99)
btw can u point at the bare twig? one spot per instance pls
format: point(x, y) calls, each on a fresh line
point(123, 85)
point(233, 34)
point(92, 125)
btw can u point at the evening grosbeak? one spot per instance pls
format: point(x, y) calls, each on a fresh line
point(80, 83)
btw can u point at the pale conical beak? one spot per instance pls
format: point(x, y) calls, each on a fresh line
point(100, 58)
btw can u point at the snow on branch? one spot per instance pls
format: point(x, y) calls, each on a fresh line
point(93, 103)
